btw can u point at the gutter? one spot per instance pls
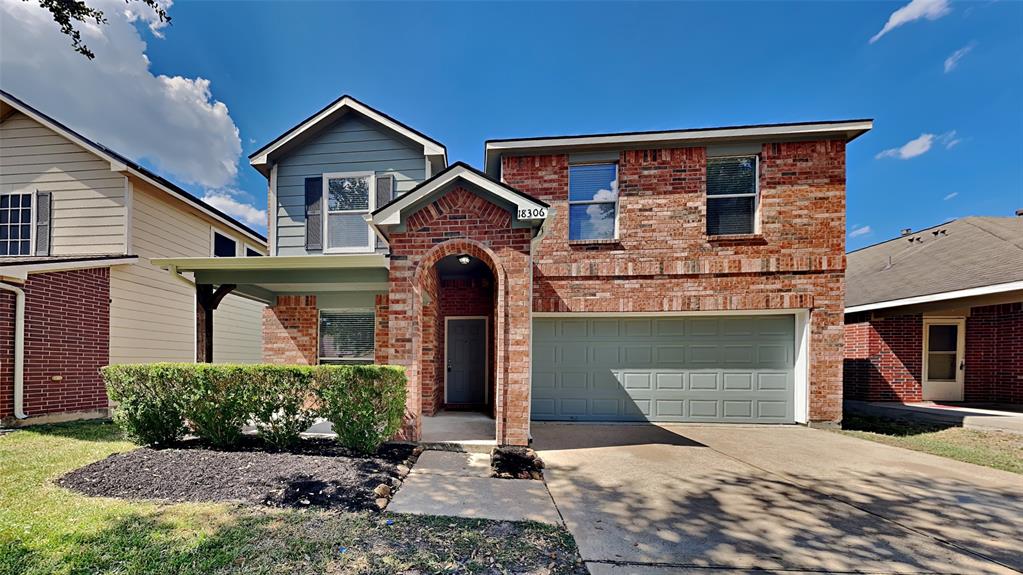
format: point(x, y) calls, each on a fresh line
point(19, 348)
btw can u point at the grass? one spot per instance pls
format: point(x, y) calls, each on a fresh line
point(45, 529)
point(995, 449)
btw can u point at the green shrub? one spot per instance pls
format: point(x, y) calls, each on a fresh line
point(148, 401)
point(283, 403)
point(216, 401)
point(364, 403)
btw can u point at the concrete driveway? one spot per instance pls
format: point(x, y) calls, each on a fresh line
point(649, 499)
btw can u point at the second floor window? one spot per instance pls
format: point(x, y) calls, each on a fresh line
point(348, 197)
point(16, 224)
point(224, 246)
point(731, 195)
point(593, 202)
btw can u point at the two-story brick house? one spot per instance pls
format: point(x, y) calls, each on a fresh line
point(689, 275)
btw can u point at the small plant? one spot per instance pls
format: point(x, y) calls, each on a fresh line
point(148, 401)
point(364, 403)
point(283, 402)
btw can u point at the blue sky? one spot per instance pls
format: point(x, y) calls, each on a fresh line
point(465, 72)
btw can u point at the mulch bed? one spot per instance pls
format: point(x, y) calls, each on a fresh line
point(516, 463)
point(318, 473)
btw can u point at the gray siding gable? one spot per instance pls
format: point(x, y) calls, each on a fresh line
point(352, 144)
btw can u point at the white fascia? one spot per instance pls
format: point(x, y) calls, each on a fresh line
point(971, 292)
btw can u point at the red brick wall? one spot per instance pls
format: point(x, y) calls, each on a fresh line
point(665, 261)
point(291, 331)
point(462, 222)
point(883, 359)
point(67, 335)
point(380, 333)
point(994, 354)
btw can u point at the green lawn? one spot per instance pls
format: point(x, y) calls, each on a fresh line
point(990, 448)
point(45, 529)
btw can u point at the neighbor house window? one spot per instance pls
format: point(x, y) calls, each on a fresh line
point(348, 198)
point(252, 253)
point(16, 224)
point(347, 336)
point(593, 202)
point(224, 246)
point(731, 195)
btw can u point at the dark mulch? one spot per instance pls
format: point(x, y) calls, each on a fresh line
point(516, 463)
point(318, 473)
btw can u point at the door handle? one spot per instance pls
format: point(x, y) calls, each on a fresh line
point(449, 366)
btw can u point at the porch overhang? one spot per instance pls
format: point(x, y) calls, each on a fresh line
point(264, 278)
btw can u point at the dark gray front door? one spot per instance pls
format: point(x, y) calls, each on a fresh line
point(466, 361)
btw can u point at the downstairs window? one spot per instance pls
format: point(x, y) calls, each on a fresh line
point(347, 336)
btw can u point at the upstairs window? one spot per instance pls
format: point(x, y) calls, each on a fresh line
point(251, 253)
point(348, 197)
point(224, 246)
point(732, 185)
point(347, 336)
point(593, 202)
point(16, 224)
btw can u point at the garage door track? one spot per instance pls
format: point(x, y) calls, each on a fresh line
point(649, 499)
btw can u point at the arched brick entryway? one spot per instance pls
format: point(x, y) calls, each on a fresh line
point(462, 222)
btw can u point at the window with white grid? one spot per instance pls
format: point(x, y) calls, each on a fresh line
point(16, 224)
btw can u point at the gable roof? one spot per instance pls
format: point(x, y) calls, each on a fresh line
point(390, 214)
point(331, 113)
point(120, 163)
point(845, 129)
point(965, 254)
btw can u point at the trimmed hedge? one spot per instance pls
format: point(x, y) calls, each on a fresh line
point(158, 403)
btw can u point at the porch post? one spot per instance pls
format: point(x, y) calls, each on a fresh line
point(207, 299)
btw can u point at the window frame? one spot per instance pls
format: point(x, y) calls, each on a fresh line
point(326, 212)
point(214, 232)
point(571, 202)
point(245, 251)
point(31, 224)
point(347, 360)
point(756, 196)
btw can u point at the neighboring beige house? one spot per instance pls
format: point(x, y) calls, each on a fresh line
point(79, 224)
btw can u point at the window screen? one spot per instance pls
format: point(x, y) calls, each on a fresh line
point(223, 246)
point(348, 199)
point(16, 224)
point(346, 336)
point(731, 195)
point(592, 201)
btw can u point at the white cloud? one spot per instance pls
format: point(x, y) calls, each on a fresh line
point(910, 149)
point(950, 139)
point(915, 10)
point(173, 122)
point(952, 61)
point(950, 196)
point(229, 202)
point(858, 231)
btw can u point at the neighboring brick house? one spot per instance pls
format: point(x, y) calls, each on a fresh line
point(689, 275)
point(78, 226)
point(937, 315)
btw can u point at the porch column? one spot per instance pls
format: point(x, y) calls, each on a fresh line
point(207, 299)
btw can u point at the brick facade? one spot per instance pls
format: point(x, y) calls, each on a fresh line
point(291, 331)
point(461, 222)
point(994, 354)
point(67, 341)
point(883, 359)
point(665, 261)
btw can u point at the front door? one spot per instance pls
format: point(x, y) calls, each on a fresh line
point(944, 364)
point(466, 370)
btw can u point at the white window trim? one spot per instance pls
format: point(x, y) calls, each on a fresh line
point(213, 242)
point(571, 202)
point(371, 246)
point(32, 222)
point(319, 321)
point(486, 353)
point(247, 246)
point(755, 194)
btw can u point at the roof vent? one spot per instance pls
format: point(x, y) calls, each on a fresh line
point(906, 231)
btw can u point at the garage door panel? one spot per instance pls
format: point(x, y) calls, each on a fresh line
point(703, 369)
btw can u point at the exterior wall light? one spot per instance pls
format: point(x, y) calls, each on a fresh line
point(464, 260)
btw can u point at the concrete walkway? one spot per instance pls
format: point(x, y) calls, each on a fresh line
point(651, 500)
point(459, 484)
point(987, 418)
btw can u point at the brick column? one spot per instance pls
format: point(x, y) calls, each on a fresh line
point(291, 331)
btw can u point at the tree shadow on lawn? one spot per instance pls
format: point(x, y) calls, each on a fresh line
point(897, 426)
point(742, 517)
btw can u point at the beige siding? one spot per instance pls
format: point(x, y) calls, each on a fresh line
point(152, 315)
point(88, 198)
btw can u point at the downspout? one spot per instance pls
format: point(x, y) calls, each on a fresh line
point(19, 349)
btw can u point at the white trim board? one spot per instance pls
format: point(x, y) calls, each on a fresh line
point(486, 354)
point(21, 272)
point(971, 292)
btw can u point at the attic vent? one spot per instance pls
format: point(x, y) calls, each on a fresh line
point(906, 231)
